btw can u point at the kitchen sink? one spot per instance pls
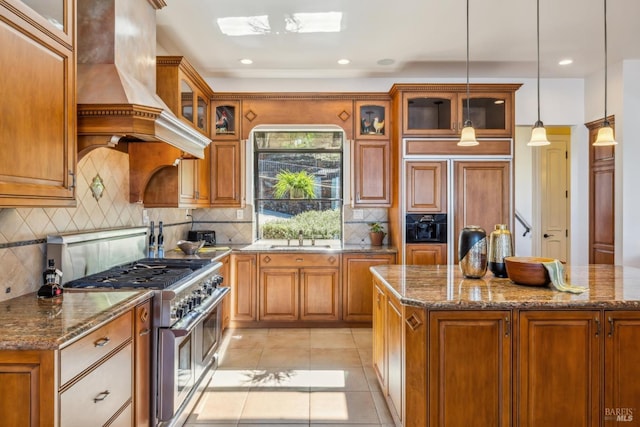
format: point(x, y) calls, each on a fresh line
point(301, 248)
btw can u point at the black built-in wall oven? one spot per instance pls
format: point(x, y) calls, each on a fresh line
point(426, 228)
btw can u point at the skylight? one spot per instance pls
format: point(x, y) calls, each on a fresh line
point(319, 22)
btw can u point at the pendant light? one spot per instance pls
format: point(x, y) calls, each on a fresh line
point(538, 133)
point(605, 133)
point(468, 135)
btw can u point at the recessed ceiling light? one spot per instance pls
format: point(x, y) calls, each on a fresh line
point(566, 61)
point(386, 61)
point(246, 61)
point(343, 61)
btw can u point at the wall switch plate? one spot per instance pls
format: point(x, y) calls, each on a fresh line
point(145, 217)
point(358, 214)
point(239, 214)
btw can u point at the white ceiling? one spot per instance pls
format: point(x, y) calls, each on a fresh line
point(425, 38)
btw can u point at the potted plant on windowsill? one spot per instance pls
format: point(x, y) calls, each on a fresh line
point(298, 185)
point(376, 233)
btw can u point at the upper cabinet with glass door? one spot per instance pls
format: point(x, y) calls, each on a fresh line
point(184, 91)
point(440, 110)
point(54, 17)
point(226, 118)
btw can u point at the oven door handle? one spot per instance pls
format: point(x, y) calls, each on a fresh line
point(185, 325)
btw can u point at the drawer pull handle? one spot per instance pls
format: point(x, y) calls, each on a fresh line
point(145, 332)
point(102, 342)
point(102, 396)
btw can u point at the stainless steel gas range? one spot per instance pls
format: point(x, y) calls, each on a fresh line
point(187, 314)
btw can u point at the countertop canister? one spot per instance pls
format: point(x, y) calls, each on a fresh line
point(500, 246)
point(472, 251)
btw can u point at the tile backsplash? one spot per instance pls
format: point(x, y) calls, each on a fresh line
point(23, 231)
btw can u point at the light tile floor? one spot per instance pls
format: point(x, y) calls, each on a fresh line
point(293, 377)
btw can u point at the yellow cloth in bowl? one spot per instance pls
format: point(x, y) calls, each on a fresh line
point(556, 273)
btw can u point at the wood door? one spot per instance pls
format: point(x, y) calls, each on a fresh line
point(357, 285)
point(371, 173)
point(469, 362)
point(319, 293)
point(142, 366)
point(203, 179)
point(38, 87)
point(426, 254)
point(243, 287)
point(278, 293)
point(379, 334)
point(622, 367)
point(226, 174)
point(27, 387)
point(187, 181)
point(602, 213)
point(415, 374)
point(554, 197)
point(482, 195)
point(558, 368)
point(395, 375)
point(427, 187)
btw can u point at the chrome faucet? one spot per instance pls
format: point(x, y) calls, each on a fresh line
point(300, 239)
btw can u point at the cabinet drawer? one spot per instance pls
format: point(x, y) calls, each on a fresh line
point(85, 352)
point(96, 397)
point(124, 419)
point(299, 260)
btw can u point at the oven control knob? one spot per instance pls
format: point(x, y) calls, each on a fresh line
point(197, 298)
point(217, 280)
point(179, 311)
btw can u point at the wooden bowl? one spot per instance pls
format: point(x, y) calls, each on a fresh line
point(527, 270)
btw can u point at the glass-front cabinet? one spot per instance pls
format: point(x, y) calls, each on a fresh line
point(442, 113)
point(226, 119)
point(372, 120)
point(490, 113)
point(54, 15)
point(430, 113)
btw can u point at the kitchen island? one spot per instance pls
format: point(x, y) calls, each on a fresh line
point(451, 351)
point(81, 358)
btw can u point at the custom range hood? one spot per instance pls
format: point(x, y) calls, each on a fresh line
point(116, 81)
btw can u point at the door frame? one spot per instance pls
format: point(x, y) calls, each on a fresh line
point(557, 133)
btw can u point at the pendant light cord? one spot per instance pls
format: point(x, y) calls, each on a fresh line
point(606, 122)
point(468, 114)
point(538, 45)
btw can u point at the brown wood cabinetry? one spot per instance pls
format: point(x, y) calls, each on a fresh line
point(379, 334)
point(426, 187)
point(436, 110)
point(225, 272)
point(184, 91)
point(559, 351)
point(602, 195)
point(371, 173)
point(38, 153)
point(226, 119)
point(142, 364)
point(469, 368)
point(244, 288)
point(621, 366)
point(426, 254)
point(103, 377)
point(415, 374)
point(227, 173)
point(482, 195)
point(298, 287)
point(357, 284)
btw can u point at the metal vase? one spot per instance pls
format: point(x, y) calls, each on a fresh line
point(500, 246)
point(472, 252)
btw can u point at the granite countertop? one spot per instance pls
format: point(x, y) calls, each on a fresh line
point(32, 323)
point(444, 287)
point(320, 247)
